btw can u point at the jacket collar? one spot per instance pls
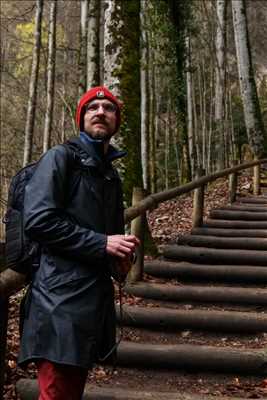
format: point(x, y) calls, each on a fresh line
point(95, 148)
point(92, 152)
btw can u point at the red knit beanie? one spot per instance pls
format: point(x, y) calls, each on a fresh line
point(98, 92)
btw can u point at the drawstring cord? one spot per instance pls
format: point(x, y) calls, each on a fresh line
point(121, 325)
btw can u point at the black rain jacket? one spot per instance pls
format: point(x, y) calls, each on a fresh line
point(71, 204)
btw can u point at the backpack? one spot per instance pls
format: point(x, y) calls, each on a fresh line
point(22, 255)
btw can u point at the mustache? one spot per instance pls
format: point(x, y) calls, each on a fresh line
point(97, 120)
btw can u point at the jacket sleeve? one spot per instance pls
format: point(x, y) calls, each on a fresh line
point(44, 218)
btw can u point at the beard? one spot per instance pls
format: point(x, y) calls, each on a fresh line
point(100, 134)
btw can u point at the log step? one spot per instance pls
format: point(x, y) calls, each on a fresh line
point(205, 255)
point(192, 357)
point(230, 232)
point(243, 207)
point(224, 242)
point(253, 199)
point(238, 215)
point(28, 390)
point(220, 223)
point(163, 319)
point(184, 270)
point(204, 294)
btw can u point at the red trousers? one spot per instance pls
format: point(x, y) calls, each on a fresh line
point(60, 382)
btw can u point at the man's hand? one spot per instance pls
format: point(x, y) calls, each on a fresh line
point(122, 246)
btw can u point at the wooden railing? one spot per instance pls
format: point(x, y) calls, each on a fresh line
point(137, 211)
point(11, 281)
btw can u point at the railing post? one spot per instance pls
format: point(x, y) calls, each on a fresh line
point(198, 202)
point(256, 180)
point(233, 183)
point(138, 229)
point(3, 339)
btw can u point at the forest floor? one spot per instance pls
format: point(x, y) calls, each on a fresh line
point(169, 220)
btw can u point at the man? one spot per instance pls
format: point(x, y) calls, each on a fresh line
point(73, 208)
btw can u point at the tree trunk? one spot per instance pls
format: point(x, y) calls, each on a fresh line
point(83, 47)
point(190, 126)
point(205, 139)
point(144, 88)
point(122, 76)
point(252, 113)
point(210, 163)
point(153, 136)
point(220, 71)
point(30, 119)
point(196, 127)
point(167, 149)
point(93, 73)
point(101, 34)
point(50, 75)
point(112, 46)
point(63, 110)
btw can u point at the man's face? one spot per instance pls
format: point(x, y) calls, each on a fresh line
point(100, 119)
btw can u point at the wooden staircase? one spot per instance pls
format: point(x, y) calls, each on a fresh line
point(210, 287)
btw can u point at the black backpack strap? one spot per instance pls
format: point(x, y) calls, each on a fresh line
point(83, 155)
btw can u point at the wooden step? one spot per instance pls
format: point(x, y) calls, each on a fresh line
point(239, 215)
point(188, 357)
point(28, 390)
point(205, 255)
point(204, 294)
point(224, 242)
point(253, 199)
point(226, 232)
point(228, 224)
point(244, 207)
point(225, 273)
point(162, 318)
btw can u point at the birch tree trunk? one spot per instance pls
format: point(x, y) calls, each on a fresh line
point(83, 47)
point(63, 110)
point(101, 32)
point(50, 75)
point(152, 108)
point(167, 150)
point(93, 38)
point(195, 124)
point(30, 119)
point(252, 114)
point(152, 129)
point(113, 31)
point(203, 96)
point(144, 89)
point(220, 72)
point(210, 110)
